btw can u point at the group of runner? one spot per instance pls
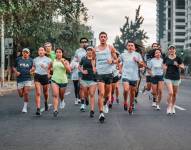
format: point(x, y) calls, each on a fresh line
point(98, 69)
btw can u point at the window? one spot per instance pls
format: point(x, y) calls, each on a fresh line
point(180, 13)
point(179, 40)
point(169, 12)
point(169, 36)
point(180, 33)
point(180, 20)
point(180, 4)
point(180, 27)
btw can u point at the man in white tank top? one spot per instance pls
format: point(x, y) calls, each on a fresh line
point(105, 56)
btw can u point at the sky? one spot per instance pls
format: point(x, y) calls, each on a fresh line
point(109, 16)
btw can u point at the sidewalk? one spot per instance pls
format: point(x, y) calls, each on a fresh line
point(9, 87)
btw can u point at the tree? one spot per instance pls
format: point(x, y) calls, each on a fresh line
point(131, 31)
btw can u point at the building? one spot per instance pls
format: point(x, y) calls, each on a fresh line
point(171, 27)
point(188, 25)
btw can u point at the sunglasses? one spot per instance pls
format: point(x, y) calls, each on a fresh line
point(84, 42)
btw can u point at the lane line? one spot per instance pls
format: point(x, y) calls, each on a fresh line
point(67, 93)
point(180, 108)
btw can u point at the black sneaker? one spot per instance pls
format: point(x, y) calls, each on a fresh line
point(130, 110)
point(125, 107)
point(55, 114)
point(38, 113)
point(117, 100)
point(110, 105)
point(91, 114)
point(87, 102)
point(46, 106)
point(101, 118)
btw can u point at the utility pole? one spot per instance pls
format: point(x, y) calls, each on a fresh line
point(2, 52)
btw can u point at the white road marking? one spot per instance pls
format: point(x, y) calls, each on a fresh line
point(67, 93)
point(180, 108)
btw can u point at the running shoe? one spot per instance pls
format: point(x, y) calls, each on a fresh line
point(105, 109)
point(101, 118)
point(130, 110)
point(173, 110)
point(62, 104)
point(87, 102)
point(154, 104)
point(117, 100)
point(76, 101)
point(46, 106)
point(82, 108)
point(110, 105)
point(133, 106)
point(91, 114)
point(24, 110)
point(79, 101)
point(168, 111)
point(125, 106)
point(157, 107)
point(55, 113)
point(38, 113)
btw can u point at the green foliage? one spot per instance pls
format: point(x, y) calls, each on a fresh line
point(31, 23)
point(131, 31)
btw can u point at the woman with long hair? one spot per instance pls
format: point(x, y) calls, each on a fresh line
point(172, 64)
point(59, 80)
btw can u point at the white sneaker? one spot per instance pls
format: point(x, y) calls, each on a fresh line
point(158, 107)
point(79, 101)
point(62, 104)
point(76, 101)
point(105, 109)
point(24, 110)
point(83, 108)
point(154, 104)
point(173, 110)
point(168, 111)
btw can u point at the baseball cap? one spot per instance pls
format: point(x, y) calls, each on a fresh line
point(171, 46)
point(26, 50)
point(89, 48)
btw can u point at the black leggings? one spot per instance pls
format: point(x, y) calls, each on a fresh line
point(77, 88)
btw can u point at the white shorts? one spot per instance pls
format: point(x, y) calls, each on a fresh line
point(86, 83)
point(23, 84)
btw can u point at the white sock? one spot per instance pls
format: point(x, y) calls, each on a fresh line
point(25, 104)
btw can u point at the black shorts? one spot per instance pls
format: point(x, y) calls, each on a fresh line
point(148, 79)
point(131, 83)
point(156, 79)
point(115, 79)
point(60, 85)
point(42, 79)
point(105, 78)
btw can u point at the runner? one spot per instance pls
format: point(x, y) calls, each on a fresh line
point(115, 82)
point(41, 78)
point(156, 72)
point(23, 69)
point(88, 82)
point(147, 58)
point(172, 65)
point(105, 57)
point(130, 62)
point(76, 80)
point(49, 52)
point(81, 52)
point(59, 79)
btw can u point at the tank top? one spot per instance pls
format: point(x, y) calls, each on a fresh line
point(59, 72)
point(102, 57)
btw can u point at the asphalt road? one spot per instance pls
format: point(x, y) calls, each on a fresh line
point(146, 129)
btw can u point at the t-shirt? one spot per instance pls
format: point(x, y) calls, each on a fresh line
point(74, 66)
point(156, 66)
point(87, 65)
point(130, 69)
point(24, 66)
point(81, 52)
point(172, 71)
point(41, 65)
point(52, 55)
point(59, 72)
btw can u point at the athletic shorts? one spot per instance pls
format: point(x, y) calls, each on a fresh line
point(156, 79)
point(173, 82)
point(86, 83)
point(42, 79)
point(115, 79)
point(23, 84)
point(148, 79)
point(105, 78)
point(61, 85)
point(132, 83)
